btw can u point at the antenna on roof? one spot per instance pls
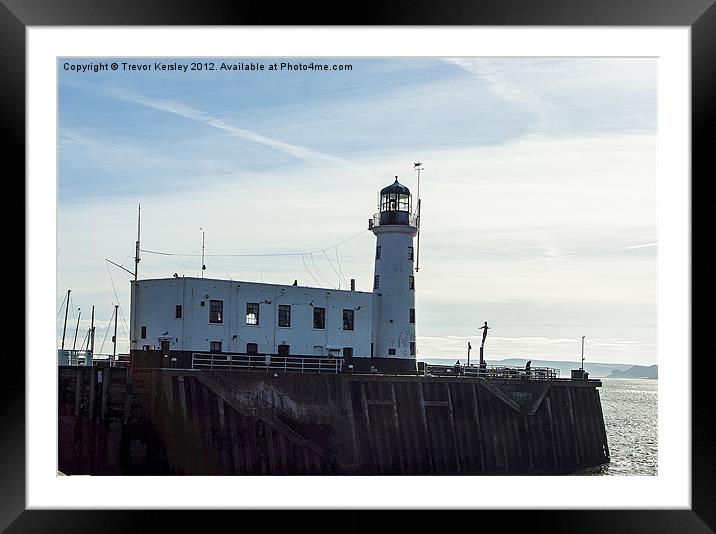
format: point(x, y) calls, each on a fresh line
point(203, 265)
point(136, 248)
point(418, 166)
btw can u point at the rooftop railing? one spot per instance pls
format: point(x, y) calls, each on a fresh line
point(287, 364)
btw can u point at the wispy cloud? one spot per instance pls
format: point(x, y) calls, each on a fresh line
point(569, 94)
point(308, 155)
point(102, 150)
point(645, 245)
point(551, 254)
point(498, 84)
point(557, 257)
point(502, 85)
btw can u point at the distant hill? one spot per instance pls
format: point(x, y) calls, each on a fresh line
point(595, 369)
point(637, 371)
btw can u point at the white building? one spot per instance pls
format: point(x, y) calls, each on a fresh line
point(178, 317)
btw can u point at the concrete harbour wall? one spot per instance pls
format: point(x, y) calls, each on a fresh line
point(162, 421)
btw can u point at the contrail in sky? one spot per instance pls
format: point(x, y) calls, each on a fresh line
point(308, 155)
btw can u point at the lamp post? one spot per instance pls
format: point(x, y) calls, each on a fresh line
point(583, 354)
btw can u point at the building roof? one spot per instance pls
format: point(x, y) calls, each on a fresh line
point(395, 188)
point(239, 282)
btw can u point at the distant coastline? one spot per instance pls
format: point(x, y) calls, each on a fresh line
point(637, 371)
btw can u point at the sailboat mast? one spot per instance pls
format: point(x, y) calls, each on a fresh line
point(64, 328)
point(77, 328)
point(114, 337)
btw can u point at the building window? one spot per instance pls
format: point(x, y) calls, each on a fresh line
point(252, 313)
point(376, 281)
point(319, 318)
point(202, 304)
point(284, 315)
point(252, 348)
point(412, 315)
point(377, 252)
point(348, 316)
point(215, 346)
point(391, 352)
point(284, 350)
point(412, 348)
point(144, 332)
point(411, 254)
point(411, 282)
point(216, 311)
point(177, 312)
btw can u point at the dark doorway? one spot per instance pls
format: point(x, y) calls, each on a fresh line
point(347, 356)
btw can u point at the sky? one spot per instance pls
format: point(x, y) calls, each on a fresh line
point(538, 190)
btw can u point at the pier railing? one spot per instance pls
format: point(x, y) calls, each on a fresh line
point(74, 357)
point(288, 364)
point(85, 358)
point(494, 371)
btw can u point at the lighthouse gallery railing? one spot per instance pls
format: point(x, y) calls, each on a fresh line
point(394, 217)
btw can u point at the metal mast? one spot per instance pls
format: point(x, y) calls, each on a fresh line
point(583, 353)
point(203, 265)
point(92, 332)
point(114, 337)
point(79, 314)
point(135, 287)
point(64, 328)
point(418, 167)
point(136, 250)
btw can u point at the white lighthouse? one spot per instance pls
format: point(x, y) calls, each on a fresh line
point(394, 226)
point(188, 319)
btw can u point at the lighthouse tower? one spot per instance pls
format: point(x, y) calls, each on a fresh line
point(395, 226)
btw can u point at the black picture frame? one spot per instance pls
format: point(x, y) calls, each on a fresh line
point(699, 15)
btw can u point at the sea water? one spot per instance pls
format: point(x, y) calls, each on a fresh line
point(630, 417)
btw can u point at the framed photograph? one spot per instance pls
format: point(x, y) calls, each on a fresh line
point(539, 164)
